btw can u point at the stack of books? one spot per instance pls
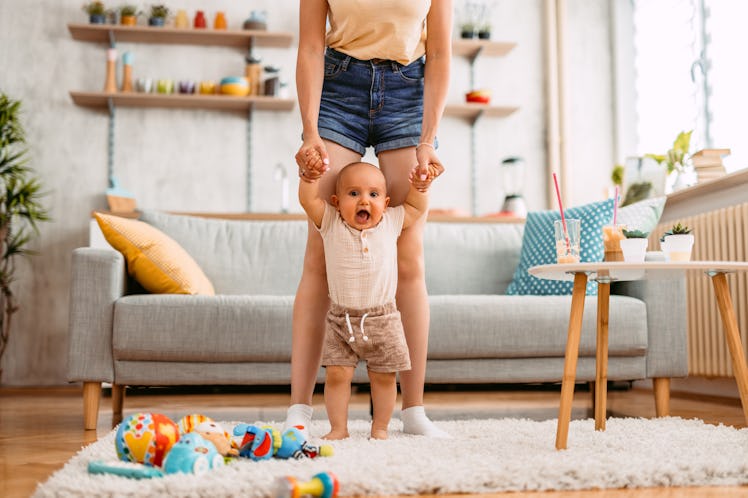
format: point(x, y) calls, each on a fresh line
point(708, 164)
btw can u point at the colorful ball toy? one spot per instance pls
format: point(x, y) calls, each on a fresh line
point(146, 438)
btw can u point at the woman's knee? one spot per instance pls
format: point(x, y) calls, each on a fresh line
point(410, 259)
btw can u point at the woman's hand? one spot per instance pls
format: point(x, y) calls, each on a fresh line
point(312, 159)
point(429, 164)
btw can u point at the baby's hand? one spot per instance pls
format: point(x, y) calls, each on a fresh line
point(423, 184)
point(313, 166)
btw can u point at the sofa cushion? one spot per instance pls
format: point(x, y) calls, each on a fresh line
point(470, 258)
point(539, 248)
point(240, 257)
point(643, 215)
point(529, 326)
point(202, 328)
point(154, 259)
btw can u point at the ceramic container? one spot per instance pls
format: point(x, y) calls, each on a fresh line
point(235, 85)
point(181, 20)
point(634, 250)
point(144, 85)
point(165, 86)
point(220, 21)
point(207, 87)
point(677, 247)
point(200, 21)
point(186, 86)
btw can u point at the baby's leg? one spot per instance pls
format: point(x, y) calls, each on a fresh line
point(383, 397)
point(337, 396)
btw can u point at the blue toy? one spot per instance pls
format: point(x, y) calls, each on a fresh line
point(261, 443)
point(192, 454)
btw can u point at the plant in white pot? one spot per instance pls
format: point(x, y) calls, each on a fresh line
point(634, 246)
point(677, 243)
point(20, 208)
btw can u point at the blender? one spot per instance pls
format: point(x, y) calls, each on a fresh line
point(513, 177)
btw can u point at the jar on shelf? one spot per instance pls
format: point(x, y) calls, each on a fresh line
point(200, 21)
point(256, 20)
point(253, 73)
point(272, 82)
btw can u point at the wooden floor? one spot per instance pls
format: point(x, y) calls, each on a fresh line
point(40, 429)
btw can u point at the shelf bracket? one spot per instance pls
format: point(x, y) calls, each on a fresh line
point(110, 142)
point(249, 159)
point(112, 39)
point(472, 67)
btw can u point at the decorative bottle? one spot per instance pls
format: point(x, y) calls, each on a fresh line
point(200, 19)
point(110, 83)
point(127, 59)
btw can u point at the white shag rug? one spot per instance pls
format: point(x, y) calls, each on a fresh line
point(484, 456)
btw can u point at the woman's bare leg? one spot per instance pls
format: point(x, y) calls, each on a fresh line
point(412, 298)
point(337, 396)
point(383, 397)
point(311, 304)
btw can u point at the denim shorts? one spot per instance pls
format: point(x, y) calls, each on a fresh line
point(375, 103)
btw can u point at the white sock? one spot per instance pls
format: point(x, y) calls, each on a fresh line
point(299, 416)
point(416, 422)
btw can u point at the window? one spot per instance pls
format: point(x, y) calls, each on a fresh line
point(687, 75)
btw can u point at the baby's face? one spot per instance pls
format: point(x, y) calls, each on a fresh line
point(361, 196)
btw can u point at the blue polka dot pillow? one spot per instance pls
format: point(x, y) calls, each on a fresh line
point(539, 248)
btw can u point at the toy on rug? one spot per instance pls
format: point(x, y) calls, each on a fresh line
point(192, 454)
point(261, 443)
point(322, 485)
point(210, 430)
point(146, 438)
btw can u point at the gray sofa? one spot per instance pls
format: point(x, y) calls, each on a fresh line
point(242, 336)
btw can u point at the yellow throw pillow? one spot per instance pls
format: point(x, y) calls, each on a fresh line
point(154, 259)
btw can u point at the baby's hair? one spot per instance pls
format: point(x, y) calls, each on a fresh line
point(350, 165)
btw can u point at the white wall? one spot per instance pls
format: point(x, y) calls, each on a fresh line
point(187, 160)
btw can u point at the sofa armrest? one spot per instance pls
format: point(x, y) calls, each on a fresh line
point(667, 329)
point(98, 280)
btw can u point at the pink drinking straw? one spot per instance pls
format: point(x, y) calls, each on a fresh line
point(561, 209)
point(615, 206)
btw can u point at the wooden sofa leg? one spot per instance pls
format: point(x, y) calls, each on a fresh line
point(118, 400)
point(662, 396)
point(91, 396)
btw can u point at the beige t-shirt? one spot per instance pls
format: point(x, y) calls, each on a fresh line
point(361, 264)
point(378, 29)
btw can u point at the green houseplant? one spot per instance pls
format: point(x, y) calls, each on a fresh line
point(677, 243)
point(634, 246)
point(20, 207)
point(128, 15)
point(96, 12)
point(159, 13)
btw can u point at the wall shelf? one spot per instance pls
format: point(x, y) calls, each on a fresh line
point(472, 111)
point(244, 39)
point(182, 101)
point(471, 48)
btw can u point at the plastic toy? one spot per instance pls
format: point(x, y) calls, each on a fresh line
point(322, 485)
point(125, 469)
point(261, 443)
point(192, 454)
point(146, 438)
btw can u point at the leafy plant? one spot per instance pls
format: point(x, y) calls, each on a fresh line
point(159, 10)
point(677, 229)
point(94, 8)
point(128, 10)
point(616, 176)
point(20, 207)
point(676, 157)
point(635, 234)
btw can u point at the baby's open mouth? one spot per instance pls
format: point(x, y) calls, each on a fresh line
point(362, 216)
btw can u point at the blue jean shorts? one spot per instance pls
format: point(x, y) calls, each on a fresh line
point(375, 103)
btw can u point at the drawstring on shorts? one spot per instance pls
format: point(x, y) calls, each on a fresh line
point(361, 326)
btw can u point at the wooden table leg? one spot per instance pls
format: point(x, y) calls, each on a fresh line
point(732, 334)
point(601, 360)
point(570, 361)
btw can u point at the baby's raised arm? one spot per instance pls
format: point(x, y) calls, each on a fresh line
point(313, 204)
point(417, 202)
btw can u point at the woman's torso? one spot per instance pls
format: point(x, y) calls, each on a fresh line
point(378, 29)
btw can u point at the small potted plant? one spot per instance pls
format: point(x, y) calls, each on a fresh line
point(96, 12)
point(634, 246)
point(128, 15)
point(677, 243)
point(159, 13)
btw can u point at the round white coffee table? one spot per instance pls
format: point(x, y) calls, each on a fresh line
point(604, 273)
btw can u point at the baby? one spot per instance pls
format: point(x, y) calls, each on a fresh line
point(360, 231)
